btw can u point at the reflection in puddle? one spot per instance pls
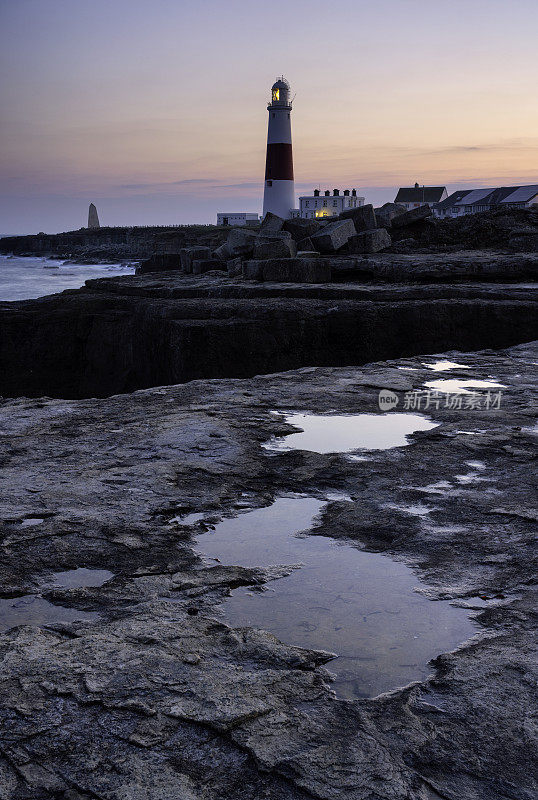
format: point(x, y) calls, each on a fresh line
point(461, 386)
point(359, 605)
point(74, 578)
point(342, 433)
point(416, 509)
point(34, 610)
point(187, 519)
point(443, 366)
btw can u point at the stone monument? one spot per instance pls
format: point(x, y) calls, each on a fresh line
point(93, 219)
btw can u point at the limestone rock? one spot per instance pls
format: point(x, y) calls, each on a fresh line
point(524, 241)
point(275, 248)
point(160, 262)
point(234, 267)
point(333, 236)
point(369, 241)
point(363, 217)
point(409, 217)
point(288, 270)
point(301, 228)
point(387, 212)
point(222, 253)
point(206, 265)
point(241, 242)
point(271, 223)
point(305, 244)
point(190, 254)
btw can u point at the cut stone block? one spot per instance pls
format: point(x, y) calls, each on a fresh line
point(333, 236)
point(369, 241)
point(363, 217)
point(415, 215)
point(241, 242)
point(387, 212)
point(190, 254)
point(271, 223)
point(301, 228)
point(275, 248)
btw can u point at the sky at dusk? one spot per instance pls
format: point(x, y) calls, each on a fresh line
point(156, 111)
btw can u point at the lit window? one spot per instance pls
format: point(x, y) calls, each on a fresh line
point(276, 94)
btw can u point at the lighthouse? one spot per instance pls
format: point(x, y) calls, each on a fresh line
point(279, 194)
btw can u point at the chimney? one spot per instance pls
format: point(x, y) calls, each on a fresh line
point(346, 192)
point(336, 192)
point(316, 192)
point(353, 193)
point(327, 193)
point(417, 186)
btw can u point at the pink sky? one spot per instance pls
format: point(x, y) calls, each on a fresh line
point(156, 111)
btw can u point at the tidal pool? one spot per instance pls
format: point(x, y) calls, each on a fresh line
point(343, 433)
point(361, 606)
point(74, 578)
point(462, 386)
point(444, 366)
point(35, 610)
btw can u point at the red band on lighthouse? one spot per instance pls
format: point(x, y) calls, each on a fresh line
point(279, 162)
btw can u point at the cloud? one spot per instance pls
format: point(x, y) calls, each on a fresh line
point(164, 184)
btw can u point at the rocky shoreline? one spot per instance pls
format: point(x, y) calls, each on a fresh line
point(121, 677)
point(153, 695)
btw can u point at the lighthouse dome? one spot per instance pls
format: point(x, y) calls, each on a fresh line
point(280, 93)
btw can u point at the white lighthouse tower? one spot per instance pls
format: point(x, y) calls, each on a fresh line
point(279, 193)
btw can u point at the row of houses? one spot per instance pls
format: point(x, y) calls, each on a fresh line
point(467, 201)
point(329, 203)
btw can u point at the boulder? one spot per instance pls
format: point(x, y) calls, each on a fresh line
point(305, 244)
point(363, 217)
point(369, 241)
point(190, 254)
point(271, 223)
point(408, 217)
point(241, 242)
point(206, 265)
point(160, 262)
point(387, 212)
point(301, 228)
point(333, 236)
point(275, 248)
point(288, 270)
point(222, 253)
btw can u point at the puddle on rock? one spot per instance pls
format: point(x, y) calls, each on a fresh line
point(443, 366)
point(32, 609)
point(359, 605)
point(75, 578)
point(343, 433)
point(462, 386)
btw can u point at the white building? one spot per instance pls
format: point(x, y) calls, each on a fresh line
point(473, 201)
point(324, 204)
point(237, 218)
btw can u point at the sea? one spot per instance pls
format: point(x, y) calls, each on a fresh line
point(27, 278)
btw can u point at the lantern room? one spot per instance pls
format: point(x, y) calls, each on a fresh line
point(280, 94)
